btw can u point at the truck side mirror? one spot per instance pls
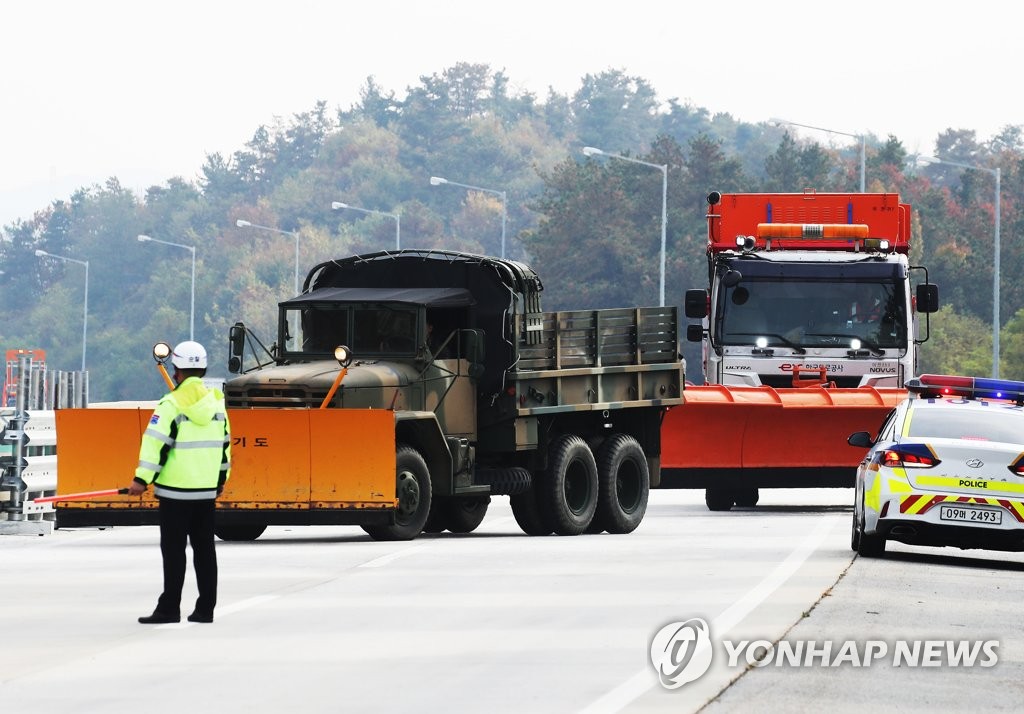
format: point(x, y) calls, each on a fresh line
point(236, 340)
point(471, 348)
point(927, 297)
point(694, 333)
point(695, 303)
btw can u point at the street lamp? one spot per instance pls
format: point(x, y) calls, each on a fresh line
point(995, 249)
point(863, 147)
point(438, 181)
point(591, 151)
point(338, 205)
point(246, 224)
point(192, 312)
point(85, 301)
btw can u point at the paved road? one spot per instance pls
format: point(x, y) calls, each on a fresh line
point(324, 619)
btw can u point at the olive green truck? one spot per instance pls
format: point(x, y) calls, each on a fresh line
point(560, 411)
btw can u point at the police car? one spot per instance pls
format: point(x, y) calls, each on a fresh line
point(946, 469)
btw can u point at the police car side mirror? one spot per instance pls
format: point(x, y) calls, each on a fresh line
point(861, 439)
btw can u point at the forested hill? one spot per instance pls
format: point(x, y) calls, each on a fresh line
point(591, 226)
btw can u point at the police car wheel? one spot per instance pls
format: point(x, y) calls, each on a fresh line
point(869, 545)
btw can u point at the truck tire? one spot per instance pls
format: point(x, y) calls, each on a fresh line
point(530, 514)
point(412, 487)
point(463, 514)
point(746, 497)
point(435, 520)
point(240, 532)
point(718, 499)
point(570, 485)
point(624, 485)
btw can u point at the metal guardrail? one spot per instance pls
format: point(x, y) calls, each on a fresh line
point(28, 443)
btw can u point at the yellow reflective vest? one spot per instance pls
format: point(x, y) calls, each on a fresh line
point(186, 448)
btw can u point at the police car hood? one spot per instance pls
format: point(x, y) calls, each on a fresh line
point(197, 402)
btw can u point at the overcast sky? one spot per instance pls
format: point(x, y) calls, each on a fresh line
point(143, 90)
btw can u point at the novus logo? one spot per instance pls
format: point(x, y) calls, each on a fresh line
point(681, 652)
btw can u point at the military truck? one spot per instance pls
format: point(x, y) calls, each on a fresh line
point(474, 388)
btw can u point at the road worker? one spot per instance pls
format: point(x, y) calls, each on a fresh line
point(186, 455)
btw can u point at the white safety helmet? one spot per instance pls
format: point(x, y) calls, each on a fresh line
point(189, 355)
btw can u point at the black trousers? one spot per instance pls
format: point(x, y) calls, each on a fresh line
point(191, 520)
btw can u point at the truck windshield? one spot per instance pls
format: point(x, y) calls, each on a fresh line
point(814, 313)
point(313, 331)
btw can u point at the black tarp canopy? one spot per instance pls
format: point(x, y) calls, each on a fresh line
point(429, 297)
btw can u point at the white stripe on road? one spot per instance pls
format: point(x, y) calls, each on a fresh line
point(221, 612)
point(639, 683)
point(391, 557)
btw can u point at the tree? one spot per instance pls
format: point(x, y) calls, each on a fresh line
point(616, 110)
point(958, 344)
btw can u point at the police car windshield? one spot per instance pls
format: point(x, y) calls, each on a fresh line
point(996, 421)
point(812, 313)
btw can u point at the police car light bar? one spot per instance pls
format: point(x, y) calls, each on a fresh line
point(943, 385)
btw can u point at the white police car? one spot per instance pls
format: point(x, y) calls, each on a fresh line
point(946, 469)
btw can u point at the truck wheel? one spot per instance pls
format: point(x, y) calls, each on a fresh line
point(412, 488)
point(464, 514)
point(529, 513)
point(435, 520)
point(746, 497)
point(625, 484)
point(240, 532)
point(718, 499)
point(570, 486)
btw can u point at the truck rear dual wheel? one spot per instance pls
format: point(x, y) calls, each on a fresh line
point(570, 485)
point(624, 485)
point(412, 488)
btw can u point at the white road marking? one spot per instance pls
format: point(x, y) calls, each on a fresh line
point(639, 683)
point(391, 557)
point(222, 611)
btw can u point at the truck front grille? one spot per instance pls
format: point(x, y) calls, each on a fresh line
point(264, 397)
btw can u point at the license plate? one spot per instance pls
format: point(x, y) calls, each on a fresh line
point(969, 514)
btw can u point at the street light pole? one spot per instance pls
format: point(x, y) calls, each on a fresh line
point(192, 311)
point(295, 234)
point(591, 151)
point(338, 205)
point(85, 300)
point(863, 144)
point(438, 181)
point(996, 249)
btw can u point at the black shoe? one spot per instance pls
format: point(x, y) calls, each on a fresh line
point(159, 618)
point(200, 617)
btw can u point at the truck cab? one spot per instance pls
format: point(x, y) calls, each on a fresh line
point(809, 287)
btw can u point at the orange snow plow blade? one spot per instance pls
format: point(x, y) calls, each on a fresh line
point(765, 437)
point(334, 462)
